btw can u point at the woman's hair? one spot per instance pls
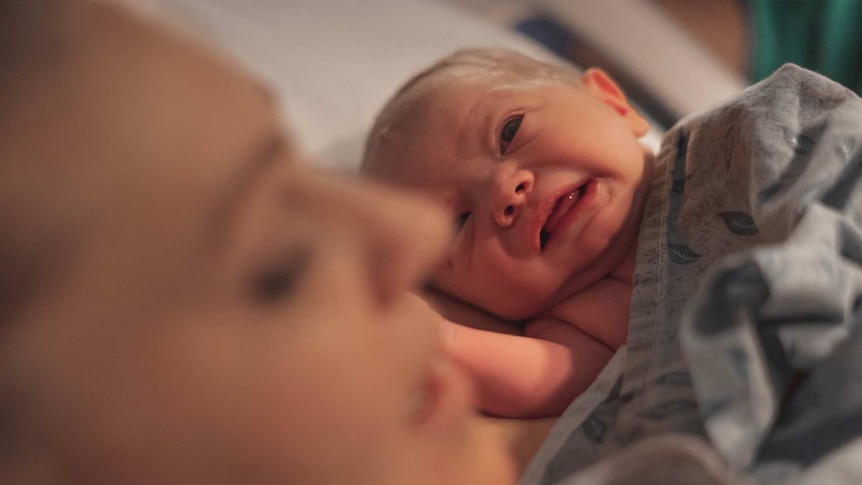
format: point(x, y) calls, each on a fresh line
point(32, 46)
point(32, 41)
point(495, 68)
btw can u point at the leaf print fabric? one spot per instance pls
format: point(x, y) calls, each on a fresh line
point(746, 321)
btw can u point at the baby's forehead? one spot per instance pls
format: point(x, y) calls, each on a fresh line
point(420, 147)
point(449, 96)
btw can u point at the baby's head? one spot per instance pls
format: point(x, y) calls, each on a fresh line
point(539, 166)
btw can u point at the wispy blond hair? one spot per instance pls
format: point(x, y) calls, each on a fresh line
point(496, 68)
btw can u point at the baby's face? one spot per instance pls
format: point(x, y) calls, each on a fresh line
point(228, 316)
point(543, 182)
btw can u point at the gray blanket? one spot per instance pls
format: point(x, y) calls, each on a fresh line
point(772, 338)
point(743, 330)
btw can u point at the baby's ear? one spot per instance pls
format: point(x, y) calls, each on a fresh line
point(599, 85)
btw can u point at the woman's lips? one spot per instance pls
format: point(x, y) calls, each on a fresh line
point(443, 399)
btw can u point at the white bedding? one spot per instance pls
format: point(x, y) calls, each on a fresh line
point(335, 63)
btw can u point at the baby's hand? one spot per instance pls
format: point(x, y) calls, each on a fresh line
point(526, 376)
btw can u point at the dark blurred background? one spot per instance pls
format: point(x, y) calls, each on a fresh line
point(746, 39)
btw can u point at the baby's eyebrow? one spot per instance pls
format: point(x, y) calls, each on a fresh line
point(476, 123)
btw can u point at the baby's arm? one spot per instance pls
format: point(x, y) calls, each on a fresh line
point(534, 375)
point(457, 311)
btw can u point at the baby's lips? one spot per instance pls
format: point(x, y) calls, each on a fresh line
point(538, 231)
point(561, 207)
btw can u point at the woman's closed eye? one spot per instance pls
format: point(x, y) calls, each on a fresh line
point(279, 278)
point(508, 132)
point(461, 220)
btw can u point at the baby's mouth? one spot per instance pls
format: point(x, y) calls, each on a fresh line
point(560, 209)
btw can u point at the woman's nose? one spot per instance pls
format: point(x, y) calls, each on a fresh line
point(401, 238)
point(511, 189)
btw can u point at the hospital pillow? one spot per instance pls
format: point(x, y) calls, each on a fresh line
point(335, 63)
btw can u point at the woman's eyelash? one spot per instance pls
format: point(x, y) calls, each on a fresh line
point(461, 220)
point(508, 132)
point(279, 279)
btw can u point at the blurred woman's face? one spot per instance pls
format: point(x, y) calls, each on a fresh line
point(228, 316)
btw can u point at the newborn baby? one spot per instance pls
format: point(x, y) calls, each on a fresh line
point(544, 177)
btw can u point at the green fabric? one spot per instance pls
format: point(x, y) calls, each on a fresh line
point(821, 35)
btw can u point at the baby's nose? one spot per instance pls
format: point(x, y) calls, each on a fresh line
point(510, 201)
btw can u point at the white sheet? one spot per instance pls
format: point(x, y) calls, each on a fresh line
point(335, 63)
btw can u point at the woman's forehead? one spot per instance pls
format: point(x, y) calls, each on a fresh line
point(137, 146)
point(144, 125)
point(140, 100)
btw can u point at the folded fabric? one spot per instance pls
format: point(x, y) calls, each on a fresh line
point(772, 337)
point(743, 317)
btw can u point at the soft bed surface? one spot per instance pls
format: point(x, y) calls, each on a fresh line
point(334, 63)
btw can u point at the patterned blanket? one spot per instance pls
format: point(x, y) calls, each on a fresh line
point(743, 333)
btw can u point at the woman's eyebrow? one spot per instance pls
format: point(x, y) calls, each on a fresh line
point(257, 162)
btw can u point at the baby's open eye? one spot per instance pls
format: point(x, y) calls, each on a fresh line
point(510, 129)
point(461, 220)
